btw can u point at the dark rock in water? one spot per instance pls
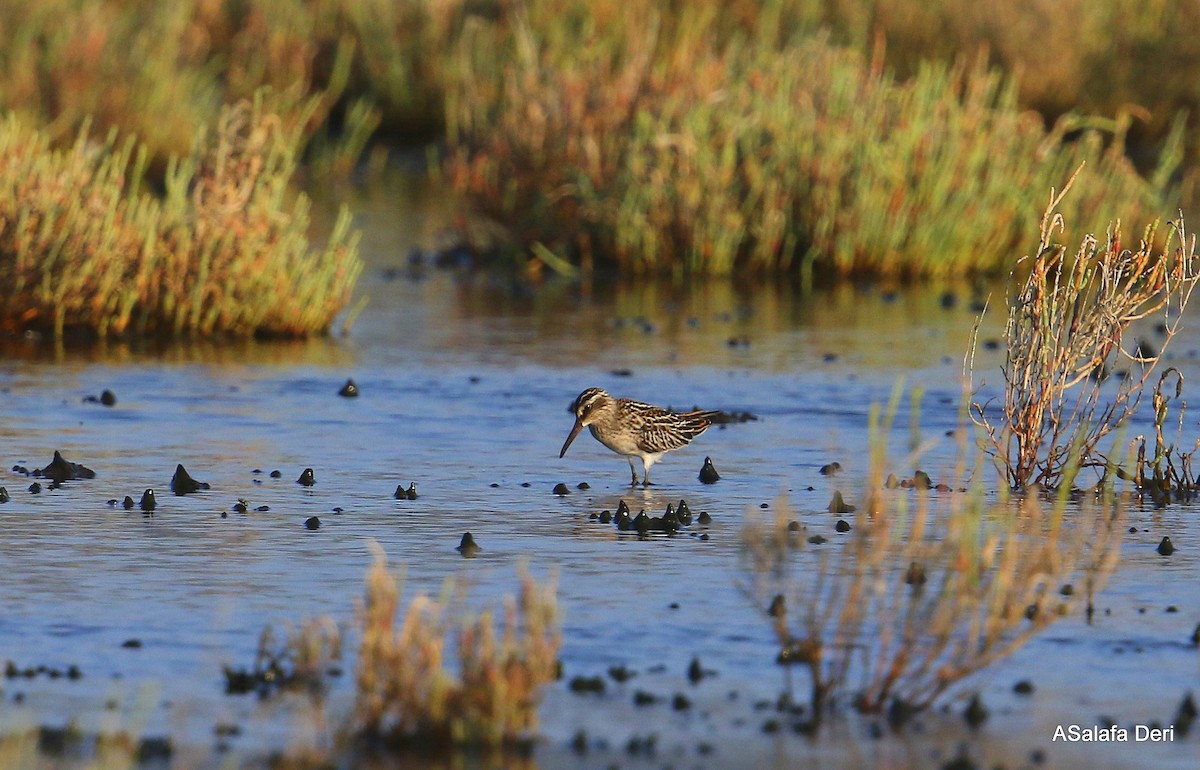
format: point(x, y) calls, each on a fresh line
point(695, 672)
point(921, 480)
point(35, 488)
point(975, 713)
point(624, 522)
point(832, 469)
point(112, 502)
point(641, 522)
point(560, 489)
point(778, 606)
point(182, 482)
point(838, 505)
point(818, 539)
point(400, 494)
point(61, 469)
point(107, 398)
point(899, 712)
point(1067, 590)
point(915, 575)
point(643, 698)
point(312, 522)
point(276, 474)
point(308, 478)
point(622, 508)
point(842, 525)
point(620, 674)
point(1196, 636)
point(127, 503)
point(241, 506)
point(349, 390)
point(1166, 547)
point(3, 494)
point(411, 492)
point(708, 473)
point(467, 546)
point(263, 508)
point(722, 418)
point(704, 518)
point(962, 761)
point(1186, 715)
point(587, 684)
point(148, 503)
point(681, 702)
point(605, 517)
point(1023, 687)
point(583, 485)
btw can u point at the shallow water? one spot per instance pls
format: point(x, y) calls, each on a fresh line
point(465, 381)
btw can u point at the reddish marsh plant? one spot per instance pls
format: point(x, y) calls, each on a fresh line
point(1068, 327)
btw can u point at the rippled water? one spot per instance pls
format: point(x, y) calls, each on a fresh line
point(465, 381)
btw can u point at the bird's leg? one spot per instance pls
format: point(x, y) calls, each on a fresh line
point(646, 461)
point(633, 471)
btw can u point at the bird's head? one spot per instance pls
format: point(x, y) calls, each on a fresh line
point(586, 408)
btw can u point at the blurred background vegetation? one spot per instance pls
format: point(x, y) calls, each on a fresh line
point(897, 137)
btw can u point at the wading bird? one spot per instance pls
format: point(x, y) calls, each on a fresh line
point(633, 429)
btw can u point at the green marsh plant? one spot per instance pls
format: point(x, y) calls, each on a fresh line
point(713, 139)
point(1068, 328)
point(225, 249)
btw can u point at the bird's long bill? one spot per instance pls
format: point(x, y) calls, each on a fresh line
point(574, 432)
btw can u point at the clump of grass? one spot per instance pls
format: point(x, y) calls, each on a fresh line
point(225, 249)
point(1067, 326)
point(662, 139)
point(302, 659)
point(918, 596)
point(161, 71)
point(407, 695)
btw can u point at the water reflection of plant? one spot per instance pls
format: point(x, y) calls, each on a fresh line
point(1067, 326)
point(924, 592)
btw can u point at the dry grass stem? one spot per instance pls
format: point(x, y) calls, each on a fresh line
point(923, 593)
